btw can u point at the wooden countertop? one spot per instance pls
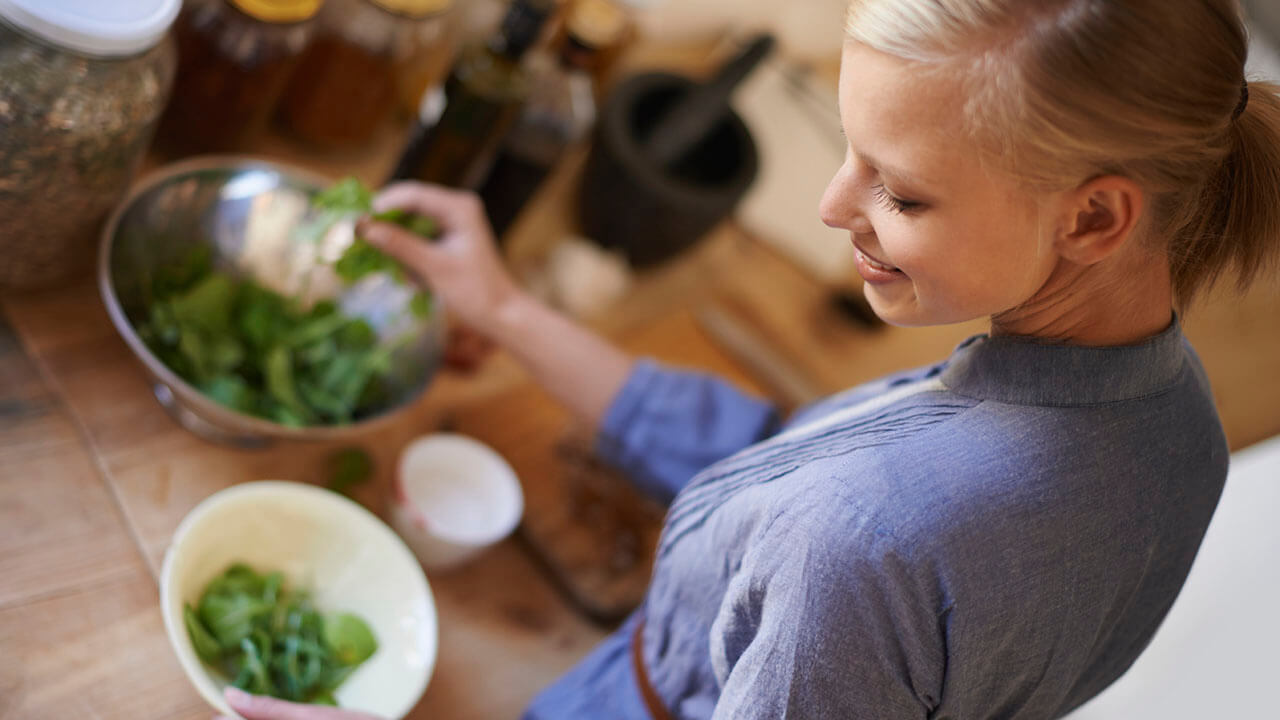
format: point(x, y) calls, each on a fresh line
point(94, 476)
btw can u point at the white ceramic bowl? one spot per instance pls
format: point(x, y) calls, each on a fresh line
point(454, 496)
point(348, 558)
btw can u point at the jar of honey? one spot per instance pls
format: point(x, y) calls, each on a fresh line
point(345, 86)
point(234, 60)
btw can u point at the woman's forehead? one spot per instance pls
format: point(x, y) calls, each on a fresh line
point(904, 116)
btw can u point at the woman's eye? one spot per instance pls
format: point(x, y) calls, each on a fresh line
point(893, 203)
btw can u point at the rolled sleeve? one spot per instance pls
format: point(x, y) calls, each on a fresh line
point(666, 425)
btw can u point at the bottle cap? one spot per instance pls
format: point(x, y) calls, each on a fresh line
point(279, 11)
point(521, 27)
point(93, 27)
point(596, 23)
point(414, 8)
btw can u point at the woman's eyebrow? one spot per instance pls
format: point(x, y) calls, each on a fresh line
point(898, 176)
point(895, 174)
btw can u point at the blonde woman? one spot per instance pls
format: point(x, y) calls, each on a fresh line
point(996, 536)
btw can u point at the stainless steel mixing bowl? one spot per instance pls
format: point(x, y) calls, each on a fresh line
point(251, 213)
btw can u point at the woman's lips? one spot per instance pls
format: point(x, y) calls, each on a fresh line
point(874, 270)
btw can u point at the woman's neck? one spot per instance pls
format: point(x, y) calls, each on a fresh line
point(1120, 301)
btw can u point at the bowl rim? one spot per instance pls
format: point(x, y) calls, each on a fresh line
point(218, 415)
point(175, 627)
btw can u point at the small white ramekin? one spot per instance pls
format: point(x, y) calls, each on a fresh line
point(453, 497)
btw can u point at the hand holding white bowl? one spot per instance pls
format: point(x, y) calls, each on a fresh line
point(258, 707)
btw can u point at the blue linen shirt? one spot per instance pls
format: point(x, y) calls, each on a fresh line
point(996, 536)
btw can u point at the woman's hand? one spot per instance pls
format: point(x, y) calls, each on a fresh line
point(463, 266)
point(261, 707)
point(580, 369)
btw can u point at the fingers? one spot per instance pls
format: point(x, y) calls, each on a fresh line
point(261, 707)
point(400, 244)
point(453, 209)
point(258, 707)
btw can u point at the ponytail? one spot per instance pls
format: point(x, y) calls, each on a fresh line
point(1235, 225)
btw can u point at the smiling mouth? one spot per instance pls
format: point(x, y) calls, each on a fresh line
point(873, 262)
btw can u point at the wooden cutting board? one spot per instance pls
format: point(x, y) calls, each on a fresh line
point(588, 527)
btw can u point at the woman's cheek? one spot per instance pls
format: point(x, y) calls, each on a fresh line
point(903, 250)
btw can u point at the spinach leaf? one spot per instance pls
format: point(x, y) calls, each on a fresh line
point(279, 374)
point(205, 644)
point(232, 391)
point(231, 617)
point(420, 304)
point(360, 259)
point(348, 195)
point(207, 305)
point(350, 638)
point(349, 198)
point(349, 467)
point(268, 638)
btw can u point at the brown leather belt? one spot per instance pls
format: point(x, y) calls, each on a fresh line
point(657, 710)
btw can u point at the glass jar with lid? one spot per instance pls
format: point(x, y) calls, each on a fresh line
point(83, 87)
point(234, 60)
point(345, 87)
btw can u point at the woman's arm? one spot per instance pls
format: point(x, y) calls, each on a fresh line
point(825, 621)
point(660, 426)
point(580, 369)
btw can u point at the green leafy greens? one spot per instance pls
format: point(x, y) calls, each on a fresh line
point(258, 352)
point(253, 350)
point(269, 639)
point(349, 467)
point(349, 198)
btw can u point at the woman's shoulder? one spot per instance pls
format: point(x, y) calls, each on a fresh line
point(861, 393)
point(982, 465)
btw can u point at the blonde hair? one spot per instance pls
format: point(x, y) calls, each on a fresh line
point(1061, 91)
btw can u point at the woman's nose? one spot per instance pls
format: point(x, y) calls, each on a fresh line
point(838, 207)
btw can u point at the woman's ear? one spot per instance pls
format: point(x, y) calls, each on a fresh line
point(1101, 215)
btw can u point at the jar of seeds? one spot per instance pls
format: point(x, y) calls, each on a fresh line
point(83, 86)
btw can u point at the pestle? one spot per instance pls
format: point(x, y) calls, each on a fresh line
point(701, 109)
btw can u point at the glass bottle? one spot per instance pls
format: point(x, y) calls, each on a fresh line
point(460, 122)
point(345, 85)
point(234, 58)
point(429, 67)
point(559, 113)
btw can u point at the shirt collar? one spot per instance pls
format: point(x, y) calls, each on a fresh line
point(1027, 371)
